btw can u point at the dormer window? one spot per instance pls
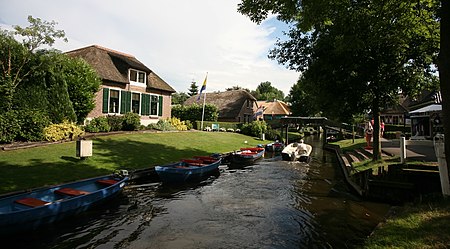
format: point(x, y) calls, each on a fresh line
point(137, 77)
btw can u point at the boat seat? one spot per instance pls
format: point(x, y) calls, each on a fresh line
point(107, 182)
point(71, 192)
point(191, 161)
point(32, 202)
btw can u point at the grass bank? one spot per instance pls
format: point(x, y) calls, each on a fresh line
point(424, 225)
point(415, 225)
point(56, 163)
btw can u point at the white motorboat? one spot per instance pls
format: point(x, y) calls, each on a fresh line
point(297, 151)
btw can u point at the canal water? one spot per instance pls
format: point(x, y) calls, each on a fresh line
point(273, 204)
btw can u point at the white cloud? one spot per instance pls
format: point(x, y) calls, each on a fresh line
point(180, 40)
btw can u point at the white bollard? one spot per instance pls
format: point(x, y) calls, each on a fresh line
point(443, 170)
point(402, 150)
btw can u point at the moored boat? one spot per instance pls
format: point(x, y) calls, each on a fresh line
point(274, 147)
point(31, 209)
point(297, 151)
point(188, 169)
point(245, 156)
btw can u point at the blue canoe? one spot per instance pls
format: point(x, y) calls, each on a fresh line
point(188, 169)
point(32, 209)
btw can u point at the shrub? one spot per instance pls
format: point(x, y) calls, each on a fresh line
point(162, 125)
point(189, 124)
point(9, 126)
point(99, 124)
point(254, 128)
point(131, 122)
point(62, 131)
point(272, 134)
point(115, 122)
point(177, 124)
point(194, 112)
point(32, 124)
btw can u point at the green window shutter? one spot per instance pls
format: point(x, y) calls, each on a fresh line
point(125, 102)
point(105, 100)
point(145, 105)
point(160, 106)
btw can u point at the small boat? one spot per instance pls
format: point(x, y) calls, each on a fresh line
point(297, 151)
point(274, 147)
point(245, 156)
point(188, 169)
point(29, 210)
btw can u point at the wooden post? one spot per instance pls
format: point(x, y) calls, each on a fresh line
point(443, 171)
point(402, 150)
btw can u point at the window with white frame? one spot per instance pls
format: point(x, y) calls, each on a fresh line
point(137, 77)
point(114, 101)
point(154, 105)
point(135, 102)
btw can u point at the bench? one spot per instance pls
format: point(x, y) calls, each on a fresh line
point(71, 192)
point(107, 182)
point(32, 202)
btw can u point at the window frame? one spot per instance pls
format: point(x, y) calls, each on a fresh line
point(139, 104)
point(137, 83)
point(109, 100)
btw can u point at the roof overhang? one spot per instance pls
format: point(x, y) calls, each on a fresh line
point(429, 108)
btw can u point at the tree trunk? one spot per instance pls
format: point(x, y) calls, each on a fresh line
point(444, 73)
point(376, 131)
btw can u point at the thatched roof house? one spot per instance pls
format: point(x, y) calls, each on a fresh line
point(128, 85)
point(274, 109)
point(234, 106)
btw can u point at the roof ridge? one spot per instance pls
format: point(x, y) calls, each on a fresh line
point(113, 51)
point(104, 49)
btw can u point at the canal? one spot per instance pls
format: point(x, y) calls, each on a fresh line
point(273, 204)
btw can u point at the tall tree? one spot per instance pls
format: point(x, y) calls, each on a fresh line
point(265, 91)
point(179, 98)
point(193, 90)
point(13, 59)
point(302, 104)
point(356, 55)
point(444, 72)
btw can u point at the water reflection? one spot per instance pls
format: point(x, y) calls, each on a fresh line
point(275, 204)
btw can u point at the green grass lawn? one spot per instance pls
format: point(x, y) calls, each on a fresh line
point(56, 163)
point(425, 225)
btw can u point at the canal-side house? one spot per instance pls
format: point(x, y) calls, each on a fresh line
point(426, 116)
point(396, 114)
point(234, 105)
point(274, 110)
point(127, 85)
point(423, 113)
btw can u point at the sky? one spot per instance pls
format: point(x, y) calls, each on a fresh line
point(180, 40)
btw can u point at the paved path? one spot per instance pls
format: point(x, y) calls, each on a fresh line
point(419, 150)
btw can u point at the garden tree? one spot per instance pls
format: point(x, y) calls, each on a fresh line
point(45, 89)
point(356, 55)
point(302, 104)
point(444, 72)
point(179, 98)
point(193, 90)
point(237, 88)
point(265, 91)
point(82, 82)
point(14, 58)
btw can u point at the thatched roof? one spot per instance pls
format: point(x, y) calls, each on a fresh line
point(275, 107)
point(113, 66)
point(229, 102)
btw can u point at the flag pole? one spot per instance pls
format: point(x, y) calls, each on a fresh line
point(204, 101)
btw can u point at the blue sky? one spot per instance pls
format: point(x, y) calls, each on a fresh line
point(180, 40)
